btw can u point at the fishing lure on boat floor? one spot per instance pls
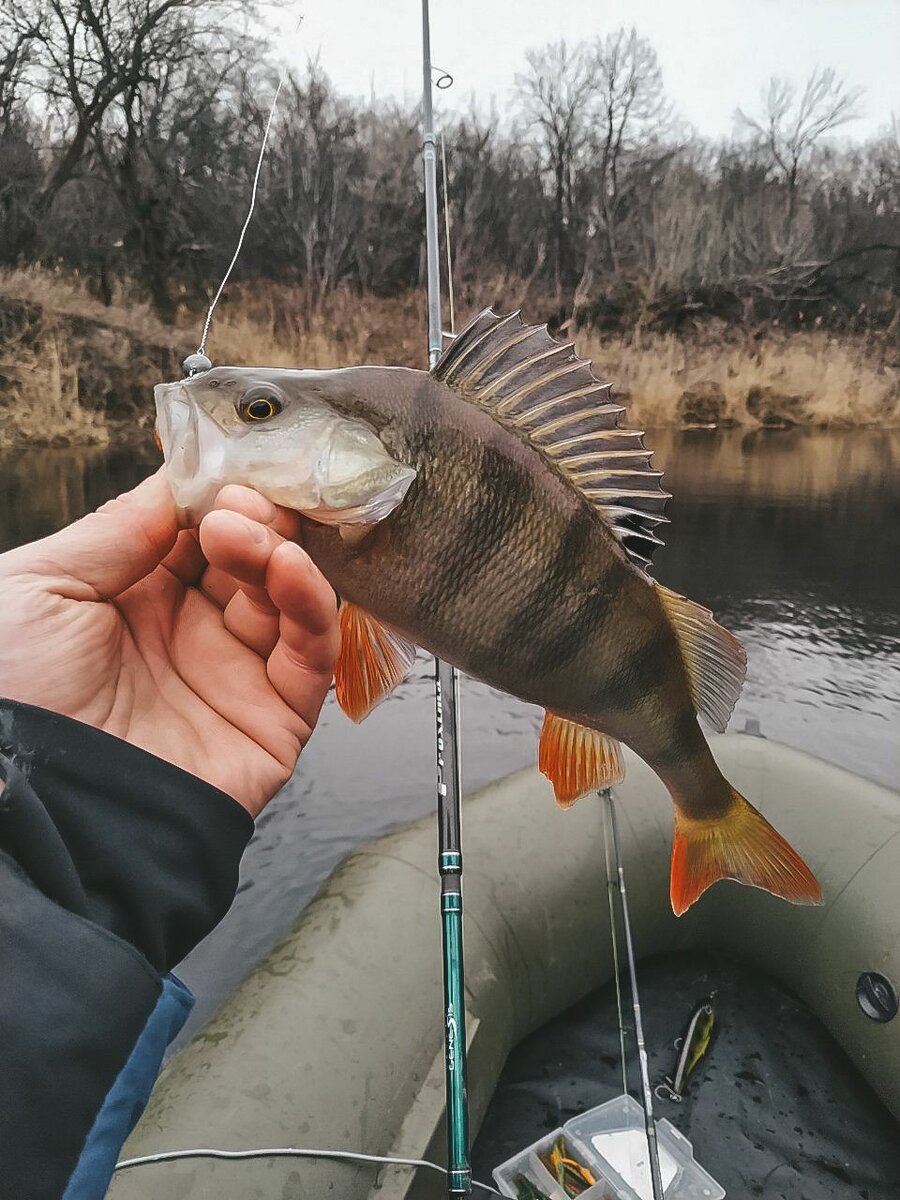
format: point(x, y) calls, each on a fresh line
point(493, 511)
point(572, 1176)
point(692, 1046)
point(526, 1190)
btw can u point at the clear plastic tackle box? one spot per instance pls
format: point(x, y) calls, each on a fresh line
point(611, 1142)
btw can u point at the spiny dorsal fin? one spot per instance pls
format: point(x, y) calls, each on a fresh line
point(372, 661)
point(576, 759)
point(539, 388)
point(714, 658)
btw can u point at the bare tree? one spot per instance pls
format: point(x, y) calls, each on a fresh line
point(312, 208)
point(16, 51)
point(88, 54)
point(130, 129)
point(554, 94)
point(20, 169)
point(882, 174)
point(793, 122)
point(164, 152)
point(629, 118)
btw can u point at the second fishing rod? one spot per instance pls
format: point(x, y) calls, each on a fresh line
point(459, 1173)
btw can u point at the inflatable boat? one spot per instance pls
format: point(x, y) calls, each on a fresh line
point(335, 1039)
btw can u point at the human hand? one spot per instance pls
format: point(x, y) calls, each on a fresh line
point(212, 650)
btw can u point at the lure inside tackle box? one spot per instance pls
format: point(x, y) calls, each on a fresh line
point(609, 1144)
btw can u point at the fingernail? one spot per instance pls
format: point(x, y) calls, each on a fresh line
point(301, 558)
point(258, 533)
point(262, 509)
point(267, 510)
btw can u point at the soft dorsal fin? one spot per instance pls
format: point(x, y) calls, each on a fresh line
point(714, 658)
point(539, 388)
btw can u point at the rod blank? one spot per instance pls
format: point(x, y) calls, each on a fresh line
point(446, 692)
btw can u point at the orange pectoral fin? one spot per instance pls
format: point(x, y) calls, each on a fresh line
point(743, 846)
point(372, 661)
point(576, 759)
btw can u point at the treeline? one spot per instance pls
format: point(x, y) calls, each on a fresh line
point(130, 129)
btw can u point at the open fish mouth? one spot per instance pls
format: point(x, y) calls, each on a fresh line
point(311, 458)
point(194, 450)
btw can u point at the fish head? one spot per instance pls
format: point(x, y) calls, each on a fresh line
point(304, 439)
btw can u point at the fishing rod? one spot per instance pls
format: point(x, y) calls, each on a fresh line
point(646, 1093)
point(446, 695)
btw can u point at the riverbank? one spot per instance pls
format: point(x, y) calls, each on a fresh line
point(76, 372)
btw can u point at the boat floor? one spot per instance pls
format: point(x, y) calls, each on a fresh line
point(775, 1109)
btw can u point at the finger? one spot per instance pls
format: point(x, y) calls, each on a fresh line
point(107, 551)
point(239, 547)
point(254, 624)
point(249, 503)
point(185, 561)
point(218, 586)
point(302, 663)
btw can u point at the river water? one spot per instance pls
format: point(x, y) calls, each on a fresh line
point(792, 538)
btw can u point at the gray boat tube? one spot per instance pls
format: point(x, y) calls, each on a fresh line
point(334, 1041)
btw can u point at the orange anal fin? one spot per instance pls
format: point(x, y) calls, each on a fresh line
point(576, 759)
point(372, 661)
point(742, 845)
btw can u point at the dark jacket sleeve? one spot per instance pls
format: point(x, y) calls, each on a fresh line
point(113, 865)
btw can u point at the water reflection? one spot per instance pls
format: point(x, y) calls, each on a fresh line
point(42, 490)
point(792, 538)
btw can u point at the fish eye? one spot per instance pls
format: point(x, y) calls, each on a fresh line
point(260, 404)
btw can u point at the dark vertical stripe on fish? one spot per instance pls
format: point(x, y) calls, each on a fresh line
point(570, 637)
point(499, 500)
point(640, 672)
point(546, 597)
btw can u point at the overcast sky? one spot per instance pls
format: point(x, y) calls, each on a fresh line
point(714, 54)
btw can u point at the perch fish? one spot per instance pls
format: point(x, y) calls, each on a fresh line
point(493, 511)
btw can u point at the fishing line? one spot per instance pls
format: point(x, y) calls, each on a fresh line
point(292, 1152)
point(201, 349)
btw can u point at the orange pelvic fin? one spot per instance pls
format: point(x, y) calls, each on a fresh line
point(714, 658)
point(741, 845)
point(576, 759)
point(372, 661)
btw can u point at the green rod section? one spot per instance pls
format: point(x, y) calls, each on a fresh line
point(446, 694)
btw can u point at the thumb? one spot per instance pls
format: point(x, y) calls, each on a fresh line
point(111, 549)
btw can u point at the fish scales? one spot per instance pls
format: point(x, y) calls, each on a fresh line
point(537, 571)
point(494, 512)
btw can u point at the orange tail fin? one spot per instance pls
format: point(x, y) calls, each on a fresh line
point(741, 845)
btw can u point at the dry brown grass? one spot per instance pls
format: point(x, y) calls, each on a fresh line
point(271, 325)
point(840, 381)
point(40, 399)
point(67, 292)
